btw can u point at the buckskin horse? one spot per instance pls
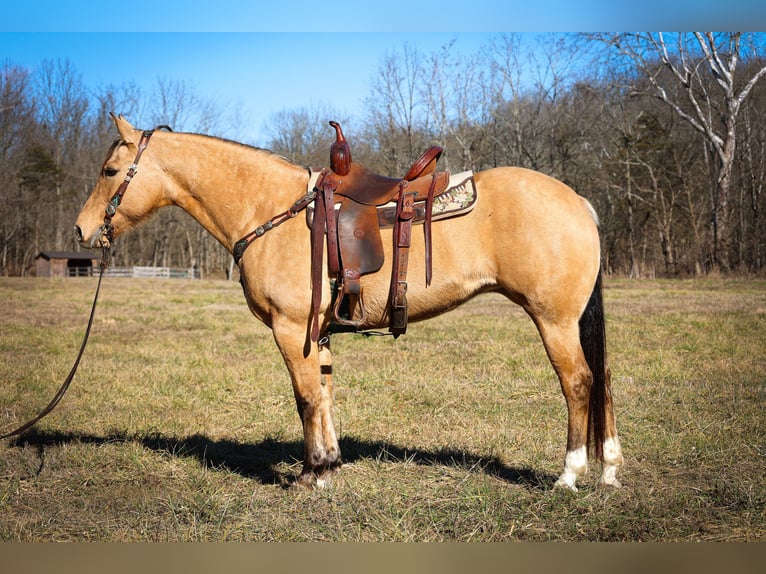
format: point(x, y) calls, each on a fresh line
point(528, 236)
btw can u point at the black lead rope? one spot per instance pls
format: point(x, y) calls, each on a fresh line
point(62, 390)
point(107, 230)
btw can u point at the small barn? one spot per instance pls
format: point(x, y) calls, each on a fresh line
point(65, 264)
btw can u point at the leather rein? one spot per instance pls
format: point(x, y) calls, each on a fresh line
point(106, 230)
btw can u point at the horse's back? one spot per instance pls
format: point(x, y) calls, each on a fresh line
point(533, 194)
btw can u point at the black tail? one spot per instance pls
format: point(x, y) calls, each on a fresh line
point(593, 342)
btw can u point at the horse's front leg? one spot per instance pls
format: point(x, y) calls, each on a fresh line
point(311, 378)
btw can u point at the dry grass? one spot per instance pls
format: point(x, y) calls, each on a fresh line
point(181, 425)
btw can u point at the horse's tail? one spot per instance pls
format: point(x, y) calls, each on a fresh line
point(593, 342)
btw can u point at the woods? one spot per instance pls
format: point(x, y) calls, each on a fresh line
point(663, 133)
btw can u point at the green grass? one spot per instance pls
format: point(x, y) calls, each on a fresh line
point(181, 425)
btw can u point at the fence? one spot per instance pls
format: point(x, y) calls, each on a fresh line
point(154, 272)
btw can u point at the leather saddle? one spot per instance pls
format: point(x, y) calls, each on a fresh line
point(345, 211)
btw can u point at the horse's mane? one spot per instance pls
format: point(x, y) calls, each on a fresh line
point(119, 141)
point(246, 146)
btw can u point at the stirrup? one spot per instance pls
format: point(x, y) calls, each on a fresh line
point(349, 285)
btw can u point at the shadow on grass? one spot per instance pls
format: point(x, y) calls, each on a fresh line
point(262, 460)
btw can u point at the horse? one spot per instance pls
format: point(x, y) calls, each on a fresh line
point(529, 237)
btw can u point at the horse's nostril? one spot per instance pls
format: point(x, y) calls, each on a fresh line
point(78, 233)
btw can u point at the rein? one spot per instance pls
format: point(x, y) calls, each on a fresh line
point(107, 230)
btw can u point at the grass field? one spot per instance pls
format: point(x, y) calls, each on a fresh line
point(181, 425)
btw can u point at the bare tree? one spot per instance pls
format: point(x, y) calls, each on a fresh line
point(459, 94)
point(304, 134)
point(16, 122)
point(533, 125)
point(752, 242)
point(177, 104)
point(62, 107)
point(706, 91)
point(398, 123)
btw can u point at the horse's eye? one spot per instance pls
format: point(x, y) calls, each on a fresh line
point(110, 172)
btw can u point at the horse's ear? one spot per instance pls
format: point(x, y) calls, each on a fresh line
point(128, 133)
point(115, 117)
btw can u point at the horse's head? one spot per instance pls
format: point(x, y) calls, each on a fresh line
point(107, 213)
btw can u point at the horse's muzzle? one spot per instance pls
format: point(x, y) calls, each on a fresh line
point(98, 239)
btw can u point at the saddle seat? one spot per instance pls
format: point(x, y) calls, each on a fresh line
point(369, 188)
point(354, 243)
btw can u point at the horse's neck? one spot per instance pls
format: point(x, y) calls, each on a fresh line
point(230, 188)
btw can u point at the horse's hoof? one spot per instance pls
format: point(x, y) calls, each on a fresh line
point(609, 477)
point(614, 483)
point(323, 480)
point(307, 480)
point(317, 479)
point(563, 483)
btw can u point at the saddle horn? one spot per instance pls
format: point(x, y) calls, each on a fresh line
point(340, 152)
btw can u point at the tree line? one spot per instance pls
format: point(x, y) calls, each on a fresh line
point(663, 133)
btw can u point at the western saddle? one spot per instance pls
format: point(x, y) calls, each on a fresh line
point(352, 231)
point(347, 198)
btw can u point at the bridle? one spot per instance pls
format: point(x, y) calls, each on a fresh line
point(107, 230)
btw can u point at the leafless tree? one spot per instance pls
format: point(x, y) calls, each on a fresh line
point(16, 121)
point(397, 120)
point(697, 74)
point(304, 134)
point(62, 106)
point(459, 93)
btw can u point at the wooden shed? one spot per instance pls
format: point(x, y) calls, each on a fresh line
point(65, 264)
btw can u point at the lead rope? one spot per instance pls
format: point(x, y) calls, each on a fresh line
point(111, 209)
point(65, 385)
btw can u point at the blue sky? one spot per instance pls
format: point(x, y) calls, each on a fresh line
point(379, 16)
point(272, 55)
point(263, 73)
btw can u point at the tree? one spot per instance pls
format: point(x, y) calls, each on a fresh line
point(62, 109)
point(752, 237)
point(697, 75)
point(304, 135)
point(16, 122)
point(398, 125)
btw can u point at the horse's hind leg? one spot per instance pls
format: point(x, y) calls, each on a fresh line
point(612, 449)
point(562, 343)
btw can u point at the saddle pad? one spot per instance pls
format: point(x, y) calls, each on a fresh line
point(458, 199)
